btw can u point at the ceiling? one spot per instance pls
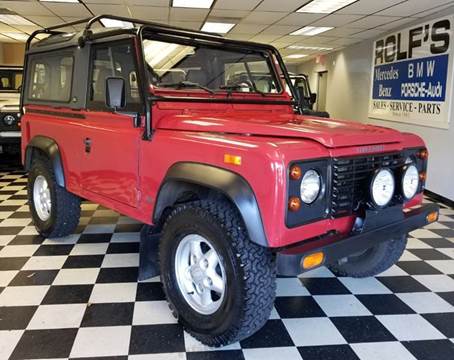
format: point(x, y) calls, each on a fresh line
point(268, 21)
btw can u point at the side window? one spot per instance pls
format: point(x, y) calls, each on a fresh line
point(114, 60)
point(51, 78)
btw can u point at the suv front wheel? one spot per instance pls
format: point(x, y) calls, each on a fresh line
point(55, 211)
point(219, 284)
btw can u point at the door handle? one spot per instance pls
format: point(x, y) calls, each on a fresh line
point(87, 142)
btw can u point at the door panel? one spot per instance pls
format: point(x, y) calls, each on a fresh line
point(110, 146)
point(109, 142)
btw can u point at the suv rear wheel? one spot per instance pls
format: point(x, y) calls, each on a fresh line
point(372, 261)
point(219, 284)
point(54, 210)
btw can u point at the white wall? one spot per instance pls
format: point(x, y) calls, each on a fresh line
point(349, 82)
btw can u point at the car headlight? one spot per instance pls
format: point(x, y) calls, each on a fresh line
point(310, 186)
point(382, 187)
point(410, 181)
point(9, 119)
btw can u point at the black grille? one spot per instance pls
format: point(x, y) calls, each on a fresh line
point(351, 179)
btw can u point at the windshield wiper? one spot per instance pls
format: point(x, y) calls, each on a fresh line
point(187, 84)
point(231, 88)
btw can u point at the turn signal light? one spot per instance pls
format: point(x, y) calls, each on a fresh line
point(232, 159)
point(313, 260)
point(422, 176)
point(295, 172)
point(294, 203)
point(423, 154)
point(432, 217)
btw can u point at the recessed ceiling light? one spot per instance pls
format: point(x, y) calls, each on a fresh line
point(296, 56)
point(112, 23)
point(311, 30)
point(217, 27)
point(16, 35)
point(12, 19)
point(302, 47)
point(61, 1)
point(325, 6)
point(199, 4)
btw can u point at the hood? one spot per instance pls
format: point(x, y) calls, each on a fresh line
point(328, 132)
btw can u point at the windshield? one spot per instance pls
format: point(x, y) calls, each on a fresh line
point(173, 65)
point(10, 80)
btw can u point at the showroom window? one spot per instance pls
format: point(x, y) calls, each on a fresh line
point(114, 60)
point(51, 78)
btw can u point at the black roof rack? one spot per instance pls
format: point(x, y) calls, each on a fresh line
point(53, 30)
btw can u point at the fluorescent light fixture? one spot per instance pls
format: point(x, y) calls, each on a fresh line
point(112, 23)
point(198, 4)
point(12, 19)
point(311, 30)
point(16, 35)
point(61, 1)
point(296, 56)
point(303, 47)
point(217, 27)
point(325, 6)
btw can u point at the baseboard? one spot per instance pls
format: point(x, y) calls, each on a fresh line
point(439, 198)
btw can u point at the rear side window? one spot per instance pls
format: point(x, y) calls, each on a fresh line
point(51, 78)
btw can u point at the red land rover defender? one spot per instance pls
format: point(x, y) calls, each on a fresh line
point(170, 127)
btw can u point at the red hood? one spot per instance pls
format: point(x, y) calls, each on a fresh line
point(329, 132)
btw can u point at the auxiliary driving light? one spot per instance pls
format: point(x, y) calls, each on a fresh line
point(382, 187)
point(410, 181)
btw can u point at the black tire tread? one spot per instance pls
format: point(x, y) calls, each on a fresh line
point(393, 250)
point(259, 271)
point(67, 205)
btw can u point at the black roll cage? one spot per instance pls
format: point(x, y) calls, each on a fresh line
point(88, 34)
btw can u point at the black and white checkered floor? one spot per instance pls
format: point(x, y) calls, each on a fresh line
point(78, 297)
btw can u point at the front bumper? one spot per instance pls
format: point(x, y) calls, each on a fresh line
point(380, 228)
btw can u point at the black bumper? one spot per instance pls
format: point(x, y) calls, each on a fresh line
point(336, 247)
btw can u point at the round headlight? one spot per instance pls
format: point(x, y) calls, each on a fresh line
point(310, 186)
point(410, 181)
point(9, 119)
point(382, 187)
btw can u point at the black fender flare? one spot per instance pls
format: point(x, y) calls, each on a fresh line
point(49, 147)
point(230, 184)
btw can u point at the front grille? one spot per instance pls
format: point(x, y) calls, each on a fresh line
point(351, 178)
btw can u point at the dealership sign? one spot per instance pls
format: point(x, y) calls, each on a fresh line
point(413, 75)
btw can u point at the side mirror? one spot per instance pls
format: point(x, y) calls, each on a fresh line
point(115, 93)
point(313, 98)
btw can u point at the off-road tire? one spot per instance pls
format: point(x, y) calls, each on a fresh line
point(373, 261)
point(65, 209)
point(250, 273)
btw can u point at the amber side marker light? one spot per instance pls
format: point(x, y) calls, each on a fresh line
point(313, 260)
point(423, 154)
point(294, 203)
point(232, 159)
point(432, 217)
point(295, 172)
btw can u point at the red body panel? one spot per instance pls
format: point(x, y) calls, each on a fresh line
point(124, 172)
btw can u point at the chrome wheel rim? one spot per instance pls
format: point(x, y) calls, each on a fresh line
point(41, 198)
point(200, 274)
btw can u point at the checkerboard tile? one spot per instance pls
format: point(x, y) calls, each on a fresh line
point(78, 297)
